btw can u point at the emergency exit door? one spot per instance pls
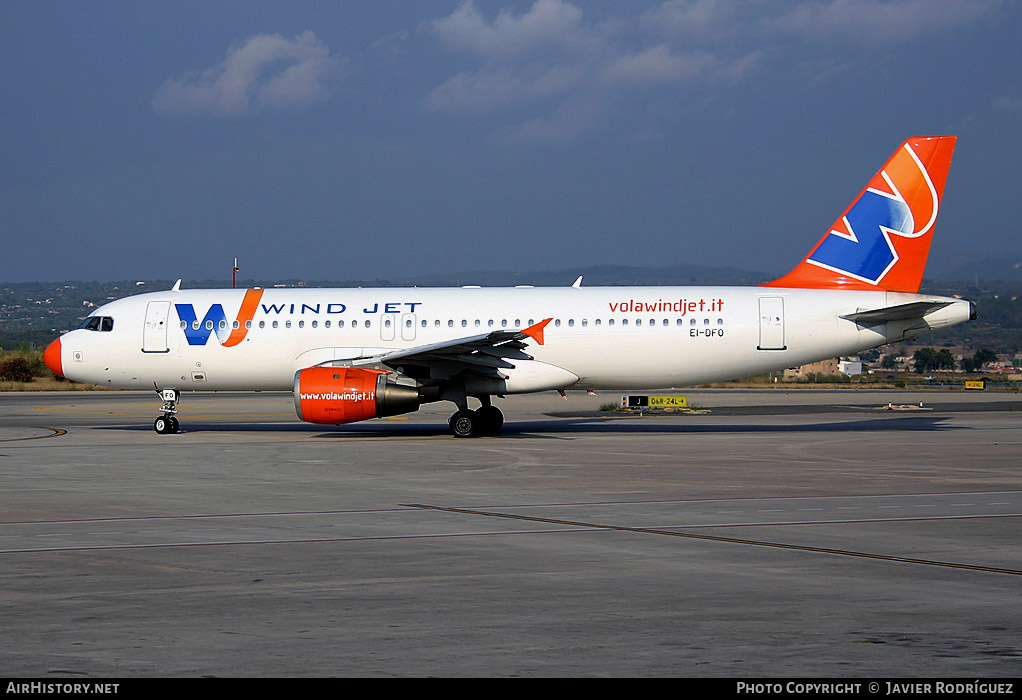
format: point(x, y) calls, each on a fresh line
point(771, 323)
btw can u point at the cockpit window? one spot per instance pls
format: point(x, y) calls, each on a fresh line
point(98, 323)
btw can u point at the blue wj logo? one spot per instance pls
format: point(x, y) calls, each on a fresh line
point(215, 321)
point(869, 253)
point(866, 250)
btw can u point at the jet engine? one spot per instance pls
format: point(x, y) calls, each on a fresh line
point(334, 395)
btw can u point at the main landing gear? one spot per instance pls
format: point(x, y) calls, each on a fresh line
point(485, 421)
point(167, 423)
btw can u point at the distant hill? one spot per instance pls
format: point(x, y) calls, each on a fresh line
point(612, 275)
point(1006, 269)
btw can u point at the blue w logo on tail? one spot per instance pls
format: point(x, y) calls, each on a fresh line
point(867, 251)
point(883, 238)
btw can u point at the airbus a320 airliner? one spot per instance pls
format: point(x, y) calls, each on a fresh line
point(353, 354)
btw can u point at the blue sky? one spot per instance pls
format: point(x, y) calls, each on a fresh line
point(361, 140)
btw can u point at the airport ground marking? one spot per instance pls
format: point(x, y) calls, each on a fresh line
point(314, 540)
point(56, 432)
point(717, 538)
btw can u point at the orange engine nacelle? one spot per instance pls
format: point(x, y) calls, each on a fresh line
point(335, 395)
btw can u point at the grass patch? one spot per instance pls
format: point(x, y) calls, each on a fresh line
point(25, 370)
point(51, 384)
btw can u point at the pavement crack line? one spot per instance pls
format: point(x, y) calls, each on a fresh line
point(717, 538)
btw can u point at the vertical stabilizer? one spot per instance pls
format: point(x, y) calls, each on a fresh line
point(883, 238)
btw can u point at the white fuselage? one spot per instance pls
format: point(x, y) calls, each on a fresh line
point(607, 337)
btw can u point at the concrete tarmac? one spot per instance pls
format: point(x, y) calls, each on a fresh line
point(779, 534)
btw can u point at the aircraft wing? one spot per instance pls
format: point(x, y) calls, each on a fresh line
point(480, 354)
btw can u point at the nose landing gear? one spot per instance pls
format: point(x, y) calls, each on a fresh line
point(167, 424)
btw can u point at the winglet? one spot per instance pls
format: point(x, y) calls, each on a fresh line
point(536, 331)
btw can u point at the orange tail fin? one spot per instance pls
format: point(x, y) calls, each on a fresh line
point(883, 238)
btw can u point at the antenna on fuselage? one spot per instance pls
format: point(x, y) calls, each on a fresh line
point(234, 274)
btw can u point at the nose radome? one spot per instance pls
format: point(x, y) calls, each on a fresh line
point(51, 356)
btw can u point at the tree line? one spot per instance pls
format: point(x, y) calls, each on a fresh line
point(930, 359)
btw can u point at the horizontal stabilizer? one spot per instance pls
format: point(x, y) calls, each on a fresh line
point(901, 312)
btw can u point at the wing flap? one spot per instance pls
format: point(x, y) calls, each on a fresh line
point(478, 354)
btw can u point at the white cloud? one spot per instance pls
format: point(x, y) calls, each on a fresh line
point(496, 86)
point(547, 24)
point(266, 71)
point(877, 21)
point(570, 121)
point(550, 58)
point(698, 20)
point(659, 64)
point(551, 52)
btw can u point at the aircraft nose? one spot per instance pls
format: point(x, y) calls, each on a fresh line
point(51, 356)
